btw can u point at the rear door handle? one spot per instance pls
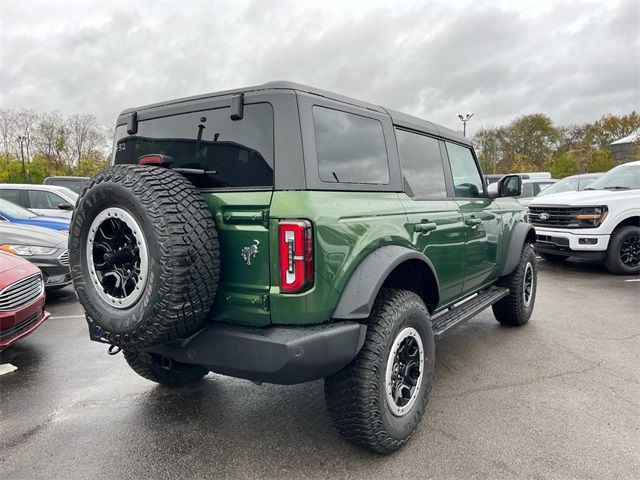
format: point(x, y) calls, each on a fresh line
point(472, 222)
point(425, 227)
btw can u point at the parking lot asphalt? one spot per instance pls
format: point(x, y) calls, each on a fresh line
point(558, 398)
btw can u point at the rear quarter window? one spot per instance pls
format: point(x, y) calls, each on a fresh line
point(350, 148)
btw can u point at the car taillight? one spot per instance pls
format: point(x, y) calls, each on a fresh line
point(295, 245)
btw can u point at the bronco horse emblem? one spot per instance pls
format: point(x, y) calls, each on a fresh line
point(250, 252)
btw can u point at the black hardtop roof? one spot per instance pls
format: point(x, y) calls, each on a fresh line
point(398, 118)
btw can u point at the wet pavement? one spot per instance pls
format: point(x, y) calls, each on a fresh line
point(558, 398)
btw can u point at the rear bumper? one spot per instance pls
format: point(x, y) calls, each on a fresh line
point(282, 355)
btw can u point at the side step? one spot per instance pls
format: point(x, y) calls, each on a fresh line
point(455, 315)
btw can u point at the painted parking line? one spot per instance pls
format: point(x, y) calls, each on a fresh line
point(633, 280)
point(62, 317)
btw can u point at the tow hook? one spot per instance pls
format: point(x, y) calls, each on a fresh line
point(165, 363)
point(114, 350)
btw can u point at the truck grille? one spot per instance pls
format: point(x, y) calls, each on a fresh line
point(21, 292)
point(554, 216)
point(64, 258)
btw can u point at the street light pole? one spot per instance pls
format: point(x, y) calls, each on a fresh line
point(464, 119)
point(21, 139)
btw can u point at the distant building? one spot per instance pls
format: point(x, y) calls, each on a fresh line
point(626, 149)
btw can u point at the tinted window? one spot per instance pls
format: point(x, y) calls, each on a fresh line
point(74, 185)
point(11, 195)
point(421, 164)
point(42, 199)
point(527, 190)
point(234, 153)
point(350, 148)
point(467, 182)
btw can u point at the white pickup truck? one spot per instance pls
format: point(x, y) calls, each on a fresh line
point(600, 223)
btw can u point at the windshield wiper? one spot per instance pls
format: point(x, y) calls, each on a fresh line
point(617, 187)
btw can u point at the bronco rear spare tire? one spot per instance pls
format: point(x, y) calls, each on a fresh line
point(144, 255)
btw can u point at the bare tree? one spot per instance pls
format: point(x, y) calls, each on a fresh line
point(7, 130)
point(51, 139)
point(26, 121)
point(86, 136)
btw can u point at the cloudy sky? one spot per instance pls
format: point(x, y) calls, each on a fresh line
point(574, 61)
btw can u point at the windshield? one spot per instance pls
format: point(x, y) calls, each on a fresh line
point(69, 193)
point(232, 153)
point(14, 210)
point(622, 177)
point(564, 185)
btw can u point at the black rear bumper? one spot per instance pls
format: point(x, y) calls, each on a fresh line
point(283, 355)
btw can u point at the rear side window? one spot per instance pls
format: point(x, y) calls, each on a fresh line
point(350, 148)
point(45, 200)
point(11, 195)
point(467, 182)
point(421, 164)
point(234, 153)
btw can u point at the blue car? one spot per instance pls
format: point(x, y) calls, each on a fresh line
point(15, 214)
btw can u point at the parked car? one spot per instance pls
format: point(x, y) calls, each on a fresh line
point(16, 214)
point(47, 200)
point(43, 247)
point(494, 177)
point(21, 299)
point(530, 188)
point(72, 183)
point(371, 235)
point(600, 223)
point(574, 183)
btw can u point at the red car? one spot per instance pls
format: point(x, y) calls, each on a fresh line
point(21, 299)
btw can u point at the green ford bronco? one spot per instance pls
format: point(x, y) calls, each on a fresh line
point(285, 234)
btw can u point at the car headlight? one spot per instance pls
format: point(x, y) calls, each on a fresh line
point(27, 250)
point(591, 217)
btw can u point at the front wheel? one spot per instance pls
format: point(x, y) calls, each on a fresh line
point(516, 308)
point(378, 400)
point(623, 253)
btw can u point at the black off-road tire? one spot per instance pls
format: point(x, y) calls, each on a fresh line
point(513, 309)
point(175, 376)
point(183, 254)
point(356, 397)
point(613, 260)
point(552, 257)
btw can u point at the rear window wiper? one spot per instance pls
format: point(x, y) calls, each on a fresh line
point(195, 171)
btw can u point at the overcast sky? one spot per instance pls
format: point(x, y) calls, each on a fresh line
point(574, 61)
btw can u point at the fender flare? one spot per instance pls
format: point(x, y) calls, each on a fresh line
point(519, 234)
point(365, 282)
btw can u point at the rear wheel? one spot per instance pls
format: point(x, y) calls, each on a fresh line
point(378, 400)
point(623, 253)
point(552, 257)
point(515, 309)
point(171, 374)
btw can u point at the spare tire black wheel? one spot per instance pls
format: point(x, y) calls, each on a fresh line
point(144, 255)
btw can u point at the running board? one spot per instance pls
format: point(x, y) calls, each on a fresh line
point(456, 315)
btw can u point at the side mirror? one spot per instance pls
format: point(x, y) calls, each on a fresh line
point(65, 206)
point(510, 186)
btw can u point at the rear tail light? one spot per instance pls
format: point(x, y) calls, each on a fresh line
point(295, 246)
point(155, 159)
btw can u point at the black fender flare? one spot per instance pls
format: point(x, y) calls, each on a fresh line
point(520, 233)
point(365, 282)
